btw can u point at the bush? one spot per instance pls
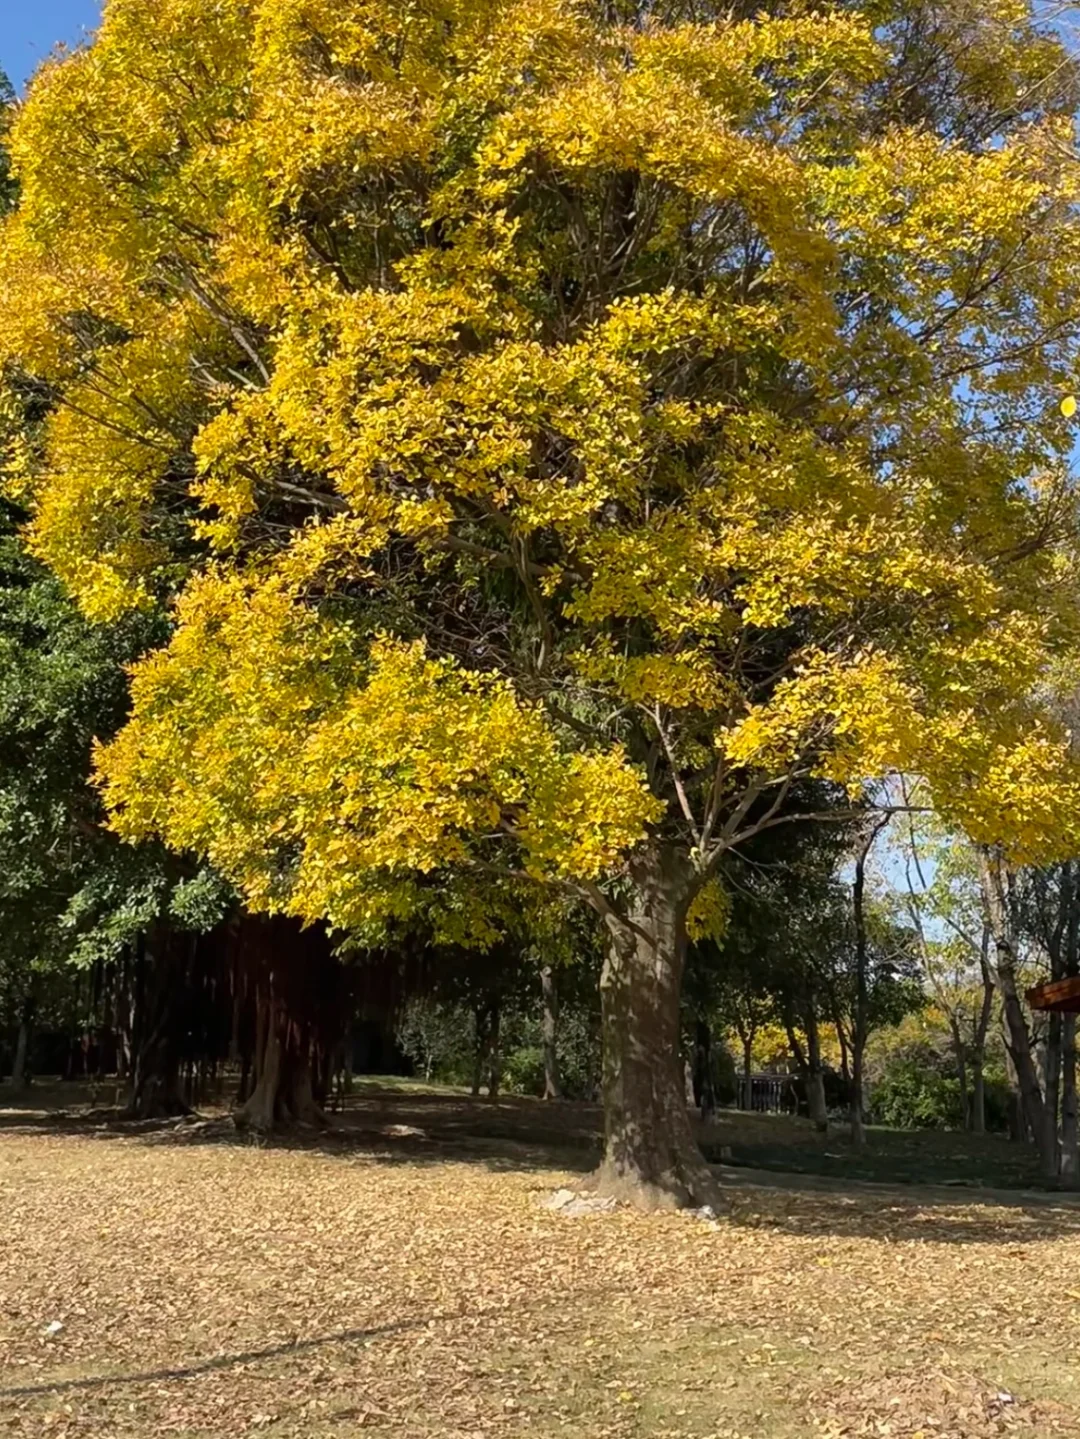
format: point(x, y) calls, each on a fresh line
point(523, 1070)
point(726, 1076)
point(437, 1039)
point(910, 1095)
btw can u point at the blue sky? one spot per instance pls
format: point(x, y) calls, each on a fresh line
point(30, 28)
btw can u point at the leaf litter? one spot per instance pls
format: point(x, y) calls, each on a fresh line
point(211, 1290)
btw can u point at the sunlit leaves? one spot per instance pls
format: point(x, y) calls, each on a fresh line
point(551, 427)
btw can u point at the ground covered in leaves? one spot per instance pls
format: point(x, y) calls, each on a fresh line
point(176, 1281)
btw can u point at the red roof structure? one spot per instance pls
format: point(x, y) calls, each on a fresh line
point(1059, 996)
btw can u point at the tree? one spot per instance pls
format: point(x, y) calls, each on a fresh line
point(1048, 915)
point(946, 908)
point(564, 427)
point(879, 985)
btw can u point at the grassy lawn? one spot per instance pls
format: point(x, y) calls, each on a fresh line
point(402, 1278)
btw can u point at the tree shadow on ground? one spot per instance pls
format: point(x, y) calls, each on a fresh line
point(920, 1215)
point(387, 1127)
point(216, 1361)
point(393, 1126)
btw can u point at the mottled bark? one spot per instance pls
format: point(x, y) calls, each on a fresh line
point(651, 1158)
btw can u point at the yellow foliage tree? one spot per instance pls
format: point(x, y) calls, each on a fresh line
point(564, 426)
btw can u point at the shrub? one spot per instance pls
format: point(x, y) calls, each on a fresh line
point(910, 1095)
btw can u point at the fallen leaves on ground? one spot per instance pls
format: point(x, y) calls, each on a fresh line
point(937, 1406)
point(211, 1290)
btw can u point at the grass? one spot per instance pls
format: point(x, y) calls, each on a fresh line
point(402, 1278)
point(892, 1156)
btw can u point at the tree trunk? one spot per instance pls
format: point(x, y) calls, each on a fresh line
point(479, 1046)
point(1052, 1082)
point(704, 1094)
point(283, 1092)
point(347, 1066)
point(19, 1075)
point(978, 1096)
point(1070, 1120)
point(549, 996)
point(858, 1126)
point(124, 1012)
point(959, 1049)
point(156, 1091)
point(841, 1039)
point(1017, 1123)
point(978, 1049)
point(650, 1156)
point(1070, 1133)
point(815, 1100)
point(748, 1072)
point(1042, 1124)
point(860, 1020)
point(815, 1077)
point(494, 1049)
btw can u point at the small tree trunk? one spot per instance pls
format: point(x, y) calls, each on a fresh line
point(1070, 1133)
point(1042, 1124)
point(650, 1157)
point(978, 1049)
point(841, 1039)
point(960, 1061)
point(494, 1056)
point(815, 1077)
point(347, 1065)
point(978, 1096)
point(748, 1071)
point(1052, 1083)
point(20, 1073)
point(550, 1028)
point(1017, 1124)
point(860, 1027)
point(234, 1029)
point(123, 1009)
point(704, 1094)
point(815, 1100)
point(858, 1126)
point(479, 1046)
point(1070, 1122)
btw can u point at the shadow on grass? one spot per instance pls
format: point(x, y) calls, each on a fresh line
point(383, 1126)
point(778, 1173)
point(791, 1205)
point(218, 1361)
